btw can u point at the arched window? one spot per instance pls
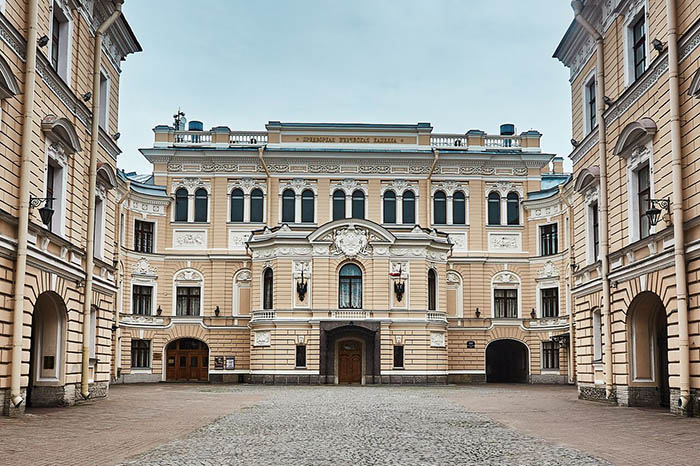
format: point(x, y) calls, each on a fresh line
point(494, 209)
point(390, 207)
point(458, 208)
point(350, 287)
point(267, 288)
point(181, 205)
point(513, 208)
point(307, 206)
point(408, 207)
point(432, 290)
point(201, 198)
point(288, 206)
point(597, 336)
point(338, 204)
point(256, 205)
point(237, 205)
point(440, 208)
point(358, 204)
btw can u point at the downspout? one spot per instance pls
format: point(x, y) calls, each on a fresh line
point(118, 331)
point(261, 149)
point(677, 207)
point(23, 220)
point(436, 155)
point(570, 271)
point(90, 240)
point(577, 5)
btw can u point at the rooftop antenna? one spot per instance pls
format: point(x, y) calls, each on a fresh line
point(180, 120)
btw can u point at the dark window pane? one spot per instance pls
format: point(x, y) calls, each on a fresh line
point(409, 207)
point(494, 209)
point(643, 193)
point(550, 355)
point(432, 290)
point(350, 287)
point(596, 231)
point(301, 356)
point(181, 205)
point(338, 205)
point(256, 206)
point(237, 205)
point(267, 289)
point(398, 356)
point(307, 206)
point(143, 236)
point(288, 201)
point(187, 301)
point(440, 208)
point(505, 303)
point(201, 198)
point(458, 208)
point(140, 353)
point(389, 207)
point(358, 204)
point(549, 239)
point(513, 209)
point(550, 302)
point(141, 299)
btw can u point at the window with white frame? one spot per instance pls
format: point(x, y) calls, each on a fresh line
point(60, 41)
point(597, 336)
point(99, 229)
point(104, 101)
point(636, 47)
point(550, 355)
point(549, 239)
point(399, 202)
point(589, 105)
point(188, 301)
point(140, 354)
point(505, 303)
point(643, 195)
point(143, 236)
point(142, 300)
point(550, 302)
point(594, 216)
point(93, 333)
point(55, 179)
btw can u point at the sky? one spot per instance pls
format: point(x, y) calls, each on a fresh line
point(457, 64)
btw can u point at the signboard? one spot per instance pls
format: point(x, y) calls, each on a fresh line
point(157, 356)
point(471, 344)
point(224, 363)
point(218, 362)
point(230, 363)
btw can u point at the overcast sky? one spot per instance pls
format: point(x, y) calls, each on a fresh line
point(458, 64)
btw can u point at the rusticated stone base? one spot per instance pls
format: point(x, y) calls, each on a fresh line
point(693, 408)
point(52, 396)
point(304, 379)
point(549, 379)
point(8, 409)
point(591, 392)
point(137, 378)
point(466, 379)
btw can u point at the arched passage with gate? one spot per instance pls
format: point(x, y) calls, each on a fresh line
point(187, 359)
point(648, 350)
point(507, 361)
point(46, 360)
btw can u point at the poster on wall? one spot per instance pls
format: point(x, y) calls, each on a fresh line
point(230, 363)
point(218, 362)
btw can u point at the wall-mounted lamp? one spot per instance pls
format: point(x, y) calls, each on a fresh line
point(658, 45)
point(302, 286)
point(607, 100)
point(399, 283)
point(87, 96)
point(654, 212)
point(217, 311)
point(43, 40)
point(116, 136)
point(533, 314)
point(79, 283)
point(574, 142)
point(574, 266)
point(477, 313)
point(46, 212)
point(159, 311)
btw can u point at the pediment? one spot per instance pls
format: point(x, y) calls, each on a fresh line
point(61, 130)
point(374, 232)
point(589, 177)
point(634, 134)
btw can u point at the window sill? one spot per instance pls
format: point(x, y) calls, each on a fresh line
point(505, 227)
point(399, 368)
point(300, 367)
point(550, 371)
point(141, 370)
point(178, 223)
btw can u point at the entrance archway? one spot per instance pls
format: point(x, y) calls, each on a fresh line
point(350, 361)
point(187, 359)
point(506, 362)
point(350, 347)
point(648, 350)
point(45, 386)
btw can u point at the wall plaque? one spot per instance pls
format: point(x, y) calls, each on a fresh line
point(471, 344)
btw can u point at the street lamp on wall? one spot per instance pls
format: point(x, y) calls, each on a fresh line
point(655, 210)
point(399, 284)
point(302, 286)
point(46, 212)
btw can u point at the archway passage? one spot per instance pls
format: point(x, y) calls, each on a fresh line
point(187, 360)
point(506, 362)
point(349, 361)
point(648, 343)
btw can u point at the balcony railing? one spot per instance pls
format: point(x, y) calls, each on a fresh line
point(349, 314)
point(448, 140)
point(262, 315)
point(501, 142)
point(193, 137)
point(485, 141)
point(247, 137)
point(436, 316)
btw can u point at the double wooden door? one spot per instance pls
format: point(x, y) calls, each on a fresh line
point(350, 362)
point(187, 359)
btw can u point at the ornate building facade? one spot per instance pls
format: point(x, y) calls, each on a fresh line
point(60, 65)
point(635, 86)
point(345, 253)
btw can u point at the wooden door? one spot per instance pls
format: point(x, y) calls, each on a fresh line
point(187, 360)
point(350, 362)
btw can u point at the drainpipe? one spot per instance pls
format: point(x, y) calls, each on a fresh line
point(90, 252)
point(23, 221)
point(120, 294)
point(261, 149)
point(677, 206)
point(570, 271)
point(436, 155)
point(577, 5)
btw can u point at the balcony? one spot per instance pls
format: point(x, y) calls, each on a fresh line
point(258, 316)
point(351, 314)
point(476, 140)
point(436, 316)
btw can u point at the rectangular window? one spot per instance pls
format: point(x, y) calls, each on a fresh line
point(55, 41)
point(398, 357)
point(549, 243)
point(99, 231)
point(591, 105)
point(596, 231)
point(143, 236)
point(550, 355)
point(140, 354)
point(142, 299)
point(639, 53)
point(643, 196)
point(301, 356)
point(54, 190)
point(550, 302)
point(104, 101)
point(187, 303)
point(505, 303)
point(60, 36)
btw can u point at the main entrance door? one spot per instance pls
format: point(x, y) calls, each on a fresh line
point(350, 361)
point(187, 359)
point(506, 362)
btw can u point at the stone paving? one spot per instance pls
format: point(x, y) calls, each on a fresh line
point(359, 425)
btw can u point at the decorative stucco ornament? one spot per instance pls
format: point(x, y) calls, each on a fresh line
point(351, 241)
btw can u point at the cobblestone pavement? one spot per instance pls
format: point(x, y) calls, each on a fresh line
point(359, 425)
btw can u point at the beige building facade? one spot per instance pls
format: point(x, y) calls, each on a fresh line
point(635, 87)
point(345, 253)
point(55, 318)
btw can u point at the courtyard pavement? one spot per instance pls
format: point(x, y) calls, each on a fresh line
point(253, 424)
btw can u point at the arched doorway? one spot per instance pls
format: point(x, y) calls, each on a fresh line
point(648, 350)
point(350, 361)
point(506, 362)
point(187, 359)
point(45, 387)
